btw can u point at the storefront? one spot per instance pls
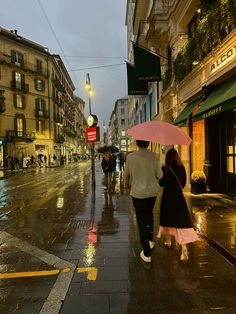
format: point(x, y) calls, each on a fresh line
point(218, 112)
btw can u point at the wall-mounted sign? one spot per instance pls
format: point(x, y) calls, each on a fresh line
point(92, 134)
point(92, 120)
point(223, 59)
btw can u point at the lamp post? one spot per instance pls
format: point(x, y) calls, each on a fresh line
point(89, 88)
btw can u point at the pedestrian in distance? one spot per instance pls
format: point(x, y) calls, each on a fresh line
point(175, 219)
point(45, 160)
point(122, 161)
point(141, 175)
point(12, 163)
point(107, 167)
point(17, 162)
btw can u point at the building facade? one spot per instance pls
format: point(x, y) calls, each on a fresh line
point(37, 106)
point(118, 125)
point(196, 44)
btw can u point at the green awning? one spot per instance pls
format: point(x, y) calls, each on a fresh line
point(221, 99)
point(135, 86)
point(147, 64)
point(185, 113)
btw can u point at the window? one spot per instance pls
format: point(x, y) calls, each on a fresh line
point(122, 121)
point(40, 106)
point(17, 58)
point(39, 85)
point(19, 101)
point(40, 126)
point(150, 107)
point(19, 126)
point(18, 80)
point(158, 106)
point(38, 66)
point(122, 110)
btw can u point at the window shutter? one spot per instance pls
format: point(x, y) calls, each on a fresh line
point(23, 101)
point(21, 59)
point(24, 123)
point(37, 125)
point(14, 100)
point(43, 86)
point(13, 56)
point(37, 104)
point(15, 123)
point(35, 84)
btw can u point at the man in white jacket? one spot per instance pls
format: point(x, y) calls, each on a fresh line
point(142, 172)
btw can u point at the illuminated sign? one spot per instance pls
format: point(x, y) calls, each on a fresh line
point(223, 59)
point(92, 134)
point(92, 120)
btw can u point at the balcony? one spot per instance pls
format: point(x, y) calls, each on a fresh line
point(19, 86)
point(27, 66)
point(24, 136)
point(41, 114)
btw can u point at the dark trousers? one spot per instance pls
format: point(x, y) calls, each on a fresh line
point(143, 208)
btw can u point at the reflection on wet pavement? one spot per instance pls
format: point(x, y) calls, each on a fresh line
point(56, 211)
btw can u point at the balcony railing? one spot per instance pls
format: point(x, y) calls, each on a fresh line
point(41, 114)
point(24, 65)
point(20, 135)
point(21, 86)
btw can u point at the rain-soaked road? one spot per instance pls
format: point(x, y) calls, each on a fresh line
point(68, 248)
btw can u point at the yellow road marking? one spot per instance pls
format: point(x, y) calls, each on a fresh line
point(30, 274)
point(92, 272)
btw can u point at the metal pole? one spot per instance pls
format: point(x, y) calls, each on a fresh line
point(92, 144)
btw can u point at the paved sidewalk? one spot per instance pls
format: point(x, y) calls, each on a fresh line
point(124, 284)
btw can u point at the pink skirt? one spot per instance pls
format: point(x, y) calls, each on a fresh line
point(182, 236)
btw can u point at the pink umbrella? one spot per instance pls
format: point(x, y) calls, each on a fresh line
point(159, 132)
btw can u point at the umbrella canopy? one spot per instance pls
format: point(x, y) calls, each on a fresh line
point(159, 132)
point(112, 149)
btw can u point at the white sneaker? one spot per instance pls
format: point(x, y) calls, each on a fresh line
point(152, 244)
point(146, 259)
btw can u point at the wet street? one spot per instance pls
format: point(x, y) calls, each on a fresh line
point(68, 248)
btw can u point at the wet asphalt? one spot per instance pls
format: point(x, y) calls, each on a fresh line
point(73, 248)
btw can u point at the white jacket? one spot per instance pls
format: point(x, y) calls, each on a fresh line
point(142, 172)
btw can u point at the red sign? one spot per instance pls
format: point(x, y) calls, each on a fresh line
point(92, 134)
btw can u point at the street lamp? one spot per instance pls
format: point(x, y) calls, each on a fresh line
point(89, 89)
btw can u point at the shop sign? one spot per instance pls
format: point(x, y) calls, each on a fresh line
point(212, 112)
point(92, 134)
point(223, 59)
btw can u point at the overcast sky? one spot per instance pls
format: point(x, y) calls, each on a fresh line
point(86, 34)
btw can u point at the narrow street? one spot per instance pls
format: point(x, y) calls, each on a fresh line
point(68, 248)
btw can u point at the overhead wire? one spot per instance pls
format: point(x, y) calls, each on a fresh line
point(55, 36)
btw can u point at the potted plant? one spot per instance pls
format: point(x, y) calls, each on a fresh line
point(198, 182)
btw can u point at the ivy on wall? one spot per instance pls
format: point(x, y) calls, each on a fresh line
point(218, 19)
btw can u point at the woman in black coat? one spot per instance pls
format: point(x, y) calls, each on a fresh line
point(175, 219)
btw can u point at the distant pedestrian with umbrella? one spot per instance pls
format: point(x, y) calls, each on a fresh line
point(142, 172)
point(175, 218)
point(107, 167)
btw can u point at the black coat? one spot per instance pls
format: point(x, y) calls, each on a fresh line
point(174, 210)
point(107, 165)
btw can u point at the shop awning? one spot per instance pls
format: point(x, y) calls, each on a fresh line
point(147, 64)
point(135, 86)
point(185, 113)
point(222, 98)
